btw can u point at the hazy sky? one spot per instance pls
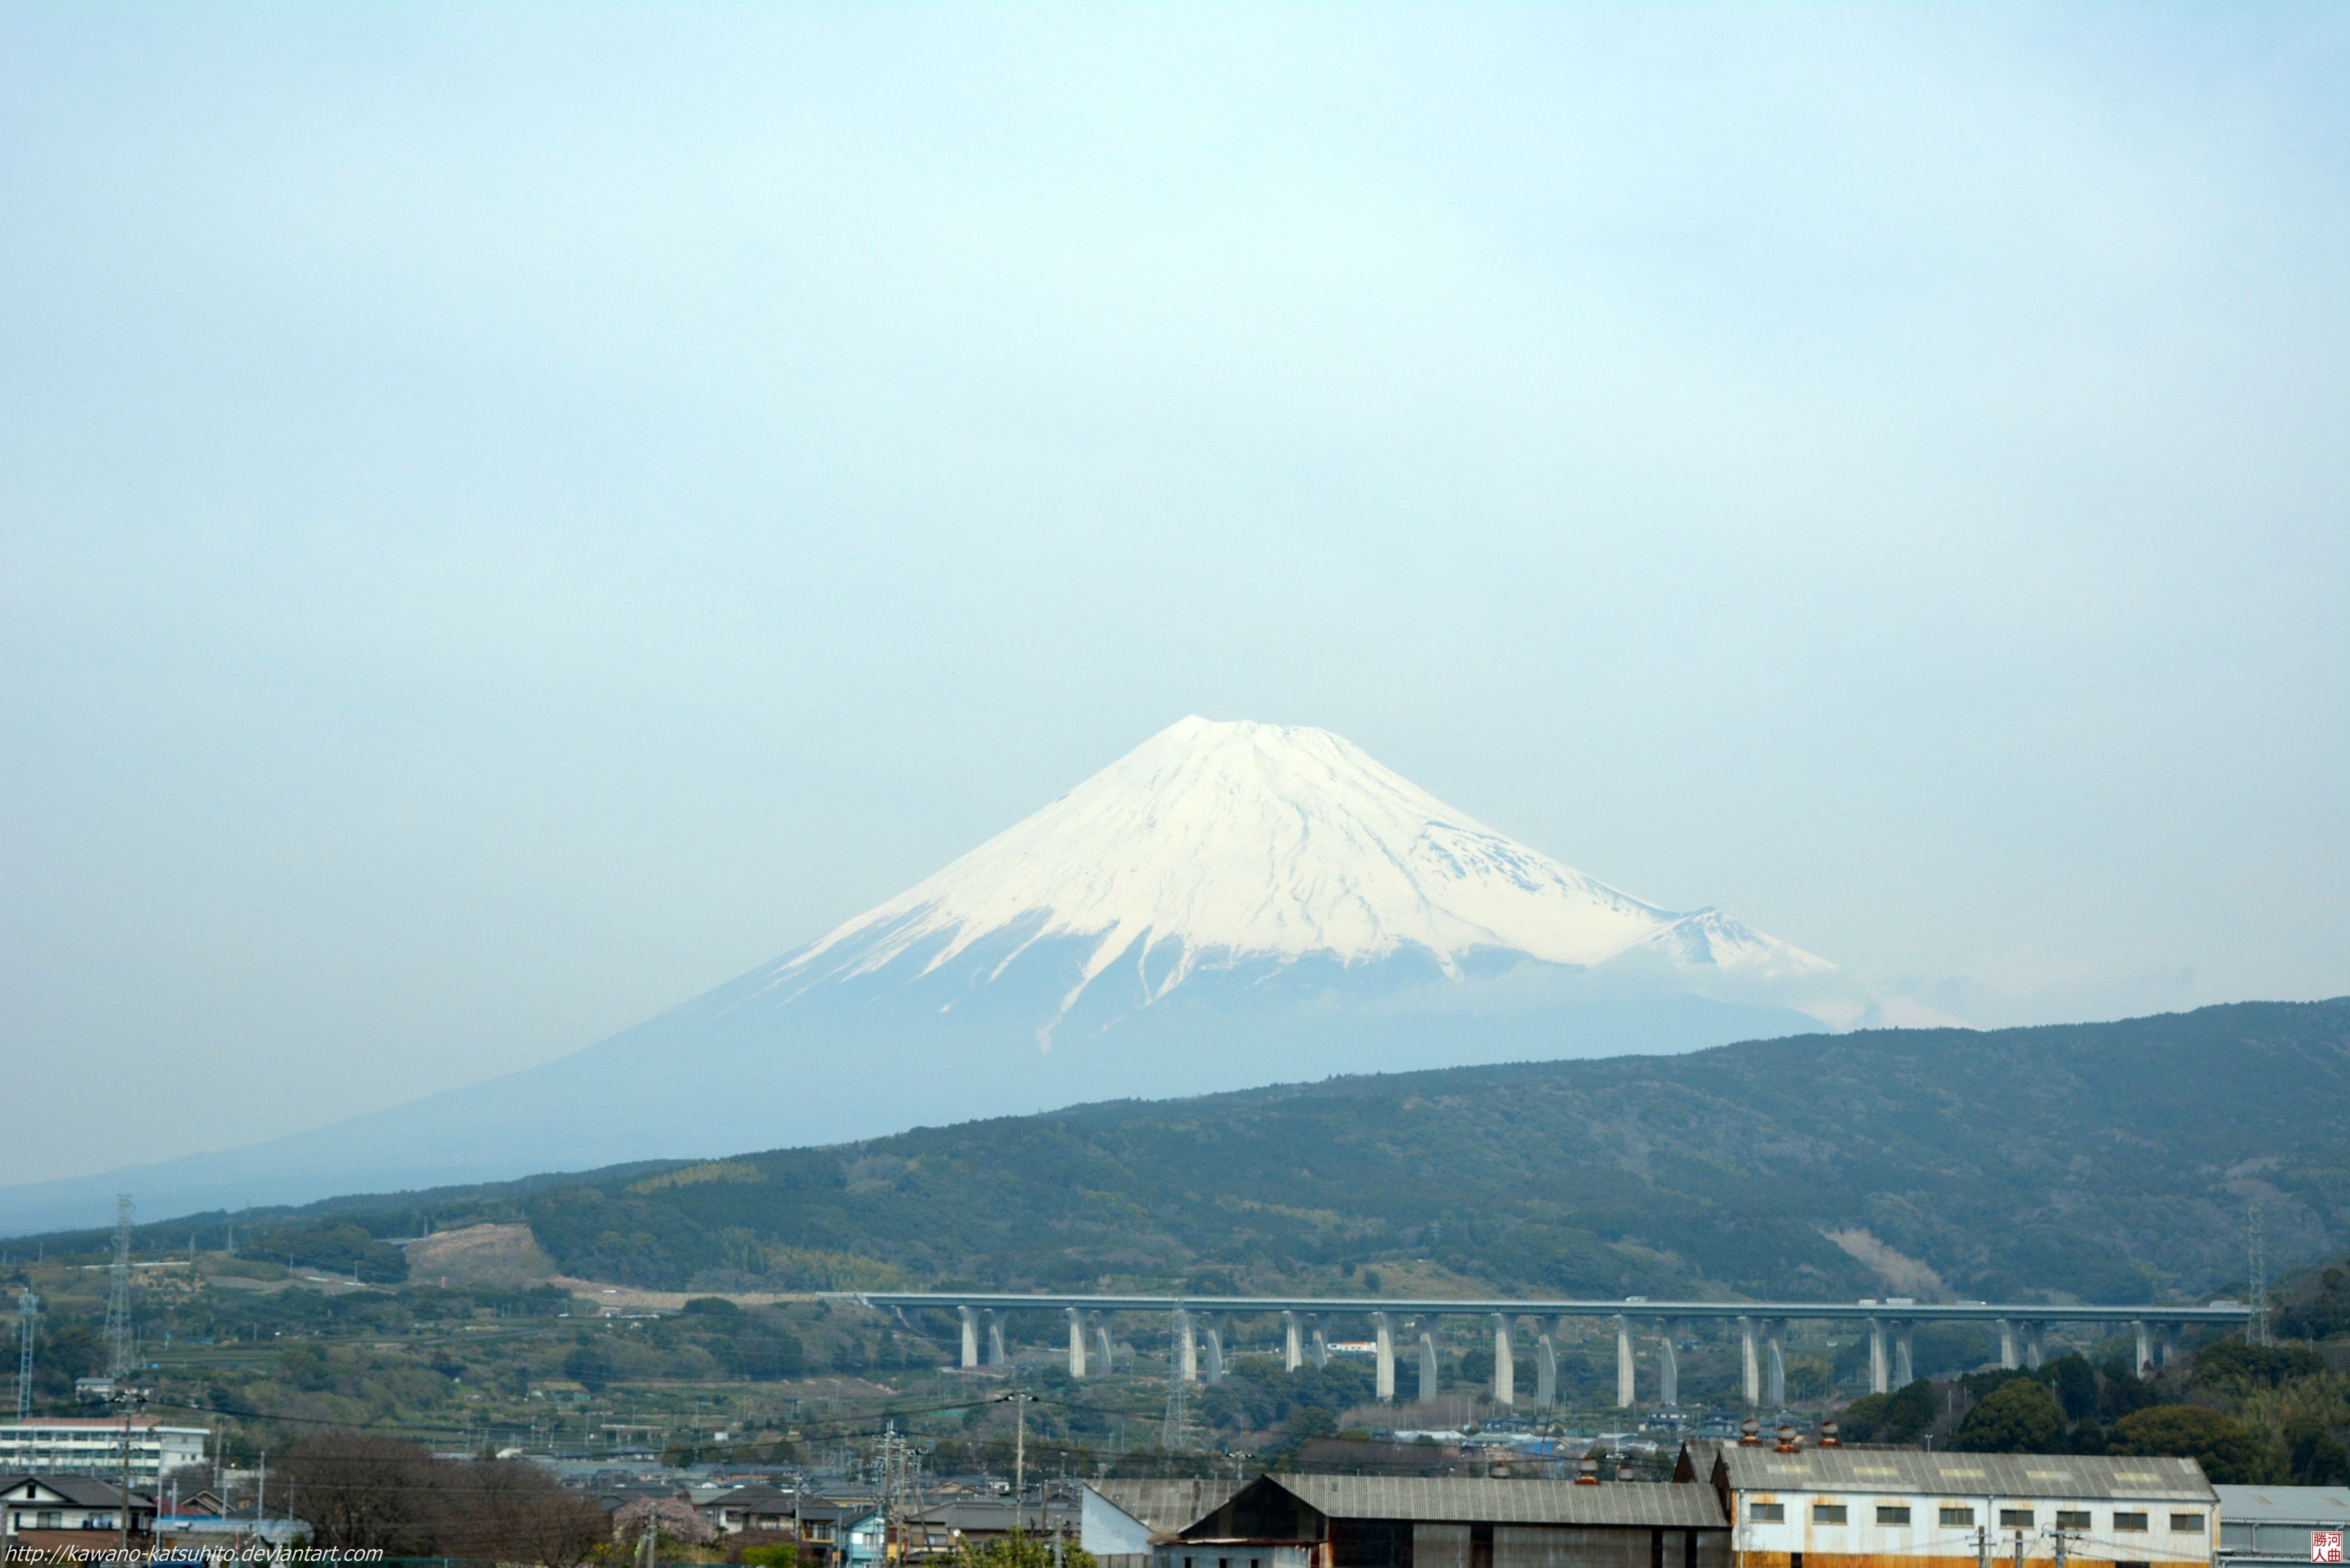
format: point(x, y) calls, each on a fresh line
point(513, 516)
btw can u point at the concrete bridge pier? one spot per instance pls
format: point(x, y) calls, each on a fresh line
point(1775, 1388)
point(1215, 1347)
point(1750, 1368)
point(1880, 1373)
point(2145, 1337)
point(1320, 1346)
point(2009, 1359)
point(2031, 1345)
point(1668, 1365)
point(1426, 1360)
point(1383, 1349)
point(1625, 1385)
point(1545, 1370)
point(1187, 1348)
point(995, 1357)
point(2166, 1341)
point(1903, 1361)
point(1505, 1362)
point(1101, 1339)
point(1077, 1341)
point(970, 1316)
point(1293, 1343)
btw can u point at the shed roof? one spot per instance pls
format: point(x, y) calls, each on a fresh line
point(1471, 1500)
point(2328, 1505)
point(1165, 1506)
point(1917, 1472)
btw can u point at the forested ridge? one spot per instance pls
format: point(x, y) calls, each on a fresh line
point(2107, 1161)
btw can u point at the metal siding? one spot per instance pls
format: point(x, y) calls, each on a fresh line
point(1440, 1546)
point(1572, 1546)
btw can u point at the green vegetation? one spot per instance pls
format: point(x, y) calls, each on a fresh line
point(2007, 1161)
point(2228, 1453)
point(2018, 1417)
point(1020, 1551)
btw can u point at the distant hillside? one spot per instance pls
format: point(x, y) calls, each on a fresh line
point(2112, 1161)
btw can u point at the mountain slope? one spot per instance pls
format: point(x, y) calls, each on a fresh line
point(2106, 1161)
point(1228, 904)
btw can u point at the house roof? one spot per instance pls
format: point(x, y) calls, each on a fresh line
point(754, 1499)
point(1471, 1500)
point(2326, 1505)
point(1917, 1472)
point(83, 1492)
point(1165, 1506)
point(969, 1513)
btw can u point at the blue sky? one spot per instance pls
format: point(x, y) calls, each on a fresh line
point(513, 515)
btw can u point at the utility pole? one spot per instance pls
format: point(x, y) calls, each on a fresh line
point(1019, 1459)
point(126, 1401)
point(118, 1293)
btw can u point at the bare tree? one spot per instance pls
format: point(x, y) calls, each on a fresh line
point(513, 1512)
point(364, 1494)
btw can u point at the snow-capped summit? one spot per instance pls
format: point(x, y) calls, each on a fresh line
point(1215, 843)
point(1225, 906)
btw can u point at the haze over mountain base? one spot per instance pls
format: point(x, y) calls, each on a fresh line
point(730, 1071)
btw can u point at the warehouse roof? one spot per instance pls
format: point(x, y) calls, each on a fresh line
point(2328, 1505)
point(1915, 1471)
point(1463, 1499)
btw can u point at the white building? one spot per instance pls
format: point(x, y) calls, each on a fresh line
point(2265, 1525)
point(92, 1446)
point(1902, 1507)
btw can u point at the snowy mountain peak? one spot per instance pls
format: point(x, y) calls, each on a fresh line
point(1212, 843)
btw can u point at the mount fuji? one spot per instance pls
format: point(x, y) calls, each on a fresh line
point(1228, 904)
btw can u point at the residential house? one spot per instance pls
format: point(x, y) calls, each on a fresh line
point(758, 1508)
point(71, 1514)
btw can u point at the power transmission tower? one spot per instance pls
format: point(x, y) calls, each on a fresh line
point(27, 1305)
point(1178, 1410)
point(2257, 1329)
point(118, 1294)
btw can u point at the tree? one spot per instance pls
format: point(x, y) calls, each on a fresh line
point(2228, 1451)
point(2124, 1391)
point(2018, 1417)
point(1313, 1422)
point(2312, 1456)
point(1895, 1418)
point(591, 1365)
point(363, 1494)
point(2074, 1383)
point(1018, 1549)
point(511, 1510)
point(2232, 1362)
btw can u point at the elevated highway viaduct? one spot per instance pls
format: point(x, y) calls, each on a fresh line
point(1199, 1332)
